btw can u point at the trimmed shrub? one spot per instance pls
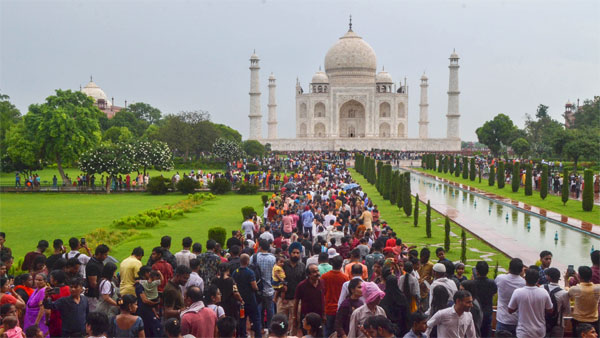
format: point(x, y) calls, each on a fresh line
point(247, 212)
point(187, 185)
point(158, 185)
point(416, 213)
point(544, 182)
point(220, 186)
point(587, 202)
point(379, 177)
point(564, 193)
point(463, 246)
point(445, 164)
point(465, 168)
point(472, 169)
point(451, 164)
point(492, 177)
point(516, 178)
point(457, 167)
point(500, 176)
point(428, 219)
point(218, 234)
point(385, 181)
point(433, 162)
point(440, 167)
point(264, 199)
point(393, 191)
point(528, 187)
point(247, 189)
point(447, 234)
point(252, 167)
point(406, 197)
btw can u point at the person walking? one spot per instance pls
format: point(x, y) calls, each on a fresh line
point(507, 284)
point(533, 303)
point(455, 321)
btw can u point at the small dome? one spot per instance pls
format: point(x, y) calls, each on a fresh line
point(271, 77)
point(454, 55)
point(254, 56)
point(92, 90)
point(423, 78)
point(320, 77)
point(569, 103)
point(383, 77)
point(351, 56)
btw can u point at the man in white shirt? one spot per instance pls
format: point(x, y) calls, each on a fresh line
point(248, 228)
point(82, 258)
point(267, 235)
point(328, 218)
point(439, 272)
point(532, 302)
point(455, 321)
point(184, 256)
point(195, 279)
point(507, 284)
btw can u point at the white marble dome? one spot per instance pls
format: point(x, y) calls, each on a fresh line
point(320, 77)
point(91, 89)
point(350, 55)
point(383, 77)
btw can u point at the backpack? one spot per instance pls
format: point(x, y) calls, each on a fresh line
point(257, 274)
point(552, 319)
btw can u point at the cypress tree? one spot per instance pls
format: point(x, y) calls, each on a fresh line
point(447, 234)
point(416, 214)
point(500, 175)
point(400, 191)
point(379, 176)
point(445, 164)
point(457, 167)
point(358, 162)
point(463, 246)
point(565, 187)
point(544, 182)
point(428, 219)
point(516, 178)
point(433, 164)
point(492, 178)
point(479, 173)
point(393, 188)
point(407, 201)
point(385, 181)
point(441, 164)
point(528, 188)
point(472, 171)
point(451, 164)
point(587, 202)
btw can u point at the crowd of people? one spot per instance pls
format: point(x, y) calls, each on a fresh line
point(319, 262)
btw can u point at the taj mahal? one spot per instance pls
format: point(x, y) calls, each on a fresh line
point(351, 106)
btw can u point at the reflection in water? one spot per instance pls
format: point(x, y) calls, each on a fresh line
point(572, 246)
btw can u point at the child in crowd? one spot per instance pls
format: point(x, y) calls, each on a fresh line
point(11, 328)
point(279, 278)
point(459, 272)
point(151, 287)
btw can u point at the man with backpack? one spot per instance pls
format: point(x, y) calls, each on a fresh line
point(247, 287)
point(560, 304)
point(74, 253)
point(533, 303)
point(262, 264)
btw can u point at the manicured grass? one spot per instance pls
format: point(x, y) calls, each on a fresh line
point(28, 218)
point(552, 202)
point(410, 235)
point(8, 179)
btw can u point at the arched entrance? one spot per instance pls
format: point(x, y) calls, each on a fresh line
point(352, 119)
point(319, 130)
point(384, 130)
point(302, 130)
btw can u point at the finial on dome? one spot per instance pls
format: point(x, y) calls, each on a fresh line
point(383, 68)
point(350, 25)
point(319, 67)
point(91, 79)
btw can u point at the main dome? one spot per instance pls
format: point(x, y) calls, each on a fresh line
point(350, 56)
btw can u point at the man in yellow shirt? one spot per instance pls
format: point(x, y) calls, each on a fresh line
point(586, 296)
point(129, 270)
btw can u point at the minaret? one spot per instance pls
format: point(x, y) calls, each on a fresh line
point(453, 131)
point(423, 110)
point(272, 123)
point(255, 115)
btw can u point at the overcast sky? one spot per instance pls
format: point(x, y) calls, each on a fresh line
point(188, 55)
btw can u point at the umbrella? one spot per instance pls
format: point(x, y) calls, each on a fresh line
point(289, 185)
point(350, 186)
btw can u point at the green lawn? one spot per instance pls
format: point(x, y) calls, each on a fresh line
point(552, 202)
point(8, 179)
point(405, 229)
point(27, 218)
